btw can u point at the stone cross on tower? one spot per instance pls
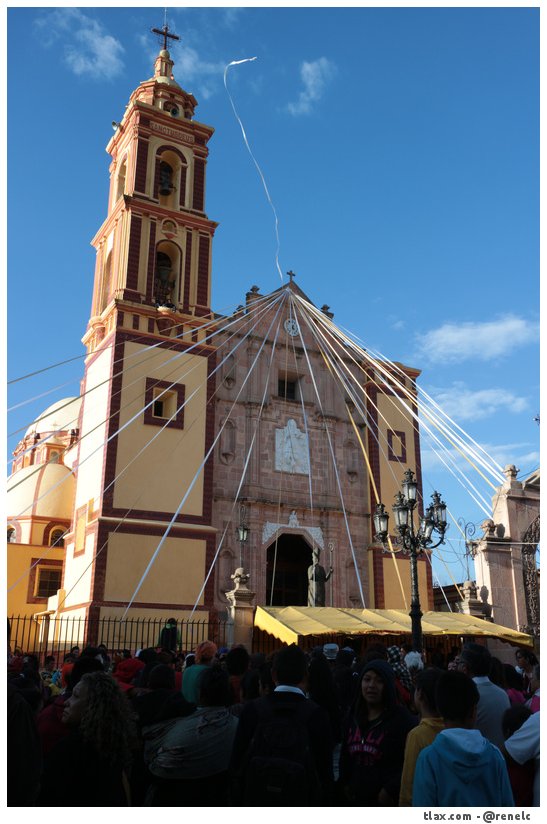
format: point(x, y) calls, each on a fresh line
point(291, 275)
point(165, 33)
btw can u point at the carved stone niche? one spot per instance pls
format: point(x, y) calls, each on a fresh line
point(352, 460)
point(229, 371)
point(227, 445)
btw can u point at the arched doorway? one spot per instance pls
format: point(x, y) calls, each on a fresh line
point(291, 556)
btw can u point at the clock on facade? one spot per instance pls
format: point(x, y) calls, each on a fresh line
point(291, 327)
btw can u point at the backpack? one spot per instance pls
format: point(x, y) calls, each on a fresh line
point(280, 770)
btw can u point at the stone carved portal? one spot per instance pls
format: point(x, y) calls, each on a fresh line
point(291, 450)
point(315, 533)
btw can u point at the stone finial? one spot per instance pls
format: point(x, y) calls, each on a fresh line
point(511, 471)
point(488, 527)
point(469, 589)
point(240, 578)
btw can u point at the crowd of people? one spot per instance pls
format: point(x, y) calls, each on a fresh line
point(324, 727)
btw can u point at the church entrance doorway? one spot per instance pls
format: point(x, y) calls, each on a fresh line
point(292, 556)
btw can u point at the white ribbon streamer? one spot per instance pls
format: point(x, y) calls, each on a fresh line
point(237, 63)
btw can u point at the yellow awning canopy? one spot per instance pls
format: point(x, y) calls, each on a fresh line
point(290, 624)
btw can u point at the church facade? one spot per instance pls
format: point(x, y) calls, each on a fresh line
point(182, 433)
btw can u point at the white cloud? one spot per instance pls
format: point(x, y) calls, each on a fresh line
point(230, 16)
point(463, 404)
point(455, 342)
point(314, 76)
point(523, 455)
point(91, 51)
point(190, 68)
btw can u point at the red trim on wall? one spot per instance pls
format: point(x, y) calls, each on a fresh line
point(168, 147)
point(199, 184)
point(50, 527)
point(378, 578)
point(179, 389)
point(187, 272)
point(93, 608)
point(142, 162)
point(208, 475)
point(203, 270)
point(151, 266)
point(372, 438)
point(82, 510)
point(183, 179)
point(134, 253)
point(400, 447)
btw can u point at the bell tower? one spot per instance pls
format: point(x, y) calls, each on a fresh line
point(154, 248)
point(146, 426)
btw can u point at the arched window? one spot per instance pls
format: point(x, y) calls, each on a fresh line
point(53, 457)
point(164, 281)
point(106, 285)
point(120, 182)
point(57, 537)
point(12, 537)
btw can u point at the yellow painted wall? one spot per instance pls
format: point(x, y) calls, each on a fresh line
point(19, 562)
point(93, 432)
point(176, 576)
point(391, 472)
point(159, 477)
point(392, 586)
point(78, 571)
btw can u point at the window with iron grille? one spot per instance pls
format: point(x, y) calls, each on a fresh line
point(286, 389)
point(48, 582)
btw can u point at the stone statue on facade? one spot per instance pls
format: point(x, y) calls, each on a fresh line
point(317, 578)
point(291, 450)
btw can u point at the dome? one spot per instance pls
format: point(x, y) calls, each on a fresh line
point(62, 415)
point(28, 496)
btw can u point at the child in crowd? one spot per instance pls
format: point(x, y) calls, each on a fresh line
point(461, 768)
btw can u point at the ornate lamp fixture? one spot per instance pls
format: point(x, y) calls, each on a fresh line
point(242, 531)
point(412, 541)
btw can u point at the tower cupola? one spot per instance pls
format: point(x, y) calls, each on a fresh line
point(163, 69)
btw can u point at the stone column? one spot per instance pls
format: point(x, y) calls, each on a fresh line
point(241, 609)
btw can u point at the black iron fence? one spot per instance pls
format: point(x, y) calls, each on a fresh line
point(49, 635)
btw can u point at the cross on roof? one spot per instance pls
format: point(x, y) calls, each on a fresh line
point(165, 33)
point(291, 275)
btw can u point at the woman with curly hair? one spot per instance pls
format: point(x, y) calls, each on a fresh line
point(90, 766)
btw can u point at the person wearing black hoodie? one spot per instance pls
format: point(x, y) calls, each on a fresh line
point(373, 741)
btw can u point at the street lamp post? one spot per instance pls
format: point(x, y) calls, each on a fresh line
point(412, 541)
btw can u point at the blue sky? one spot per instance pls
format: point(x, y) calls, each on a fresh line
point(401, 150)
